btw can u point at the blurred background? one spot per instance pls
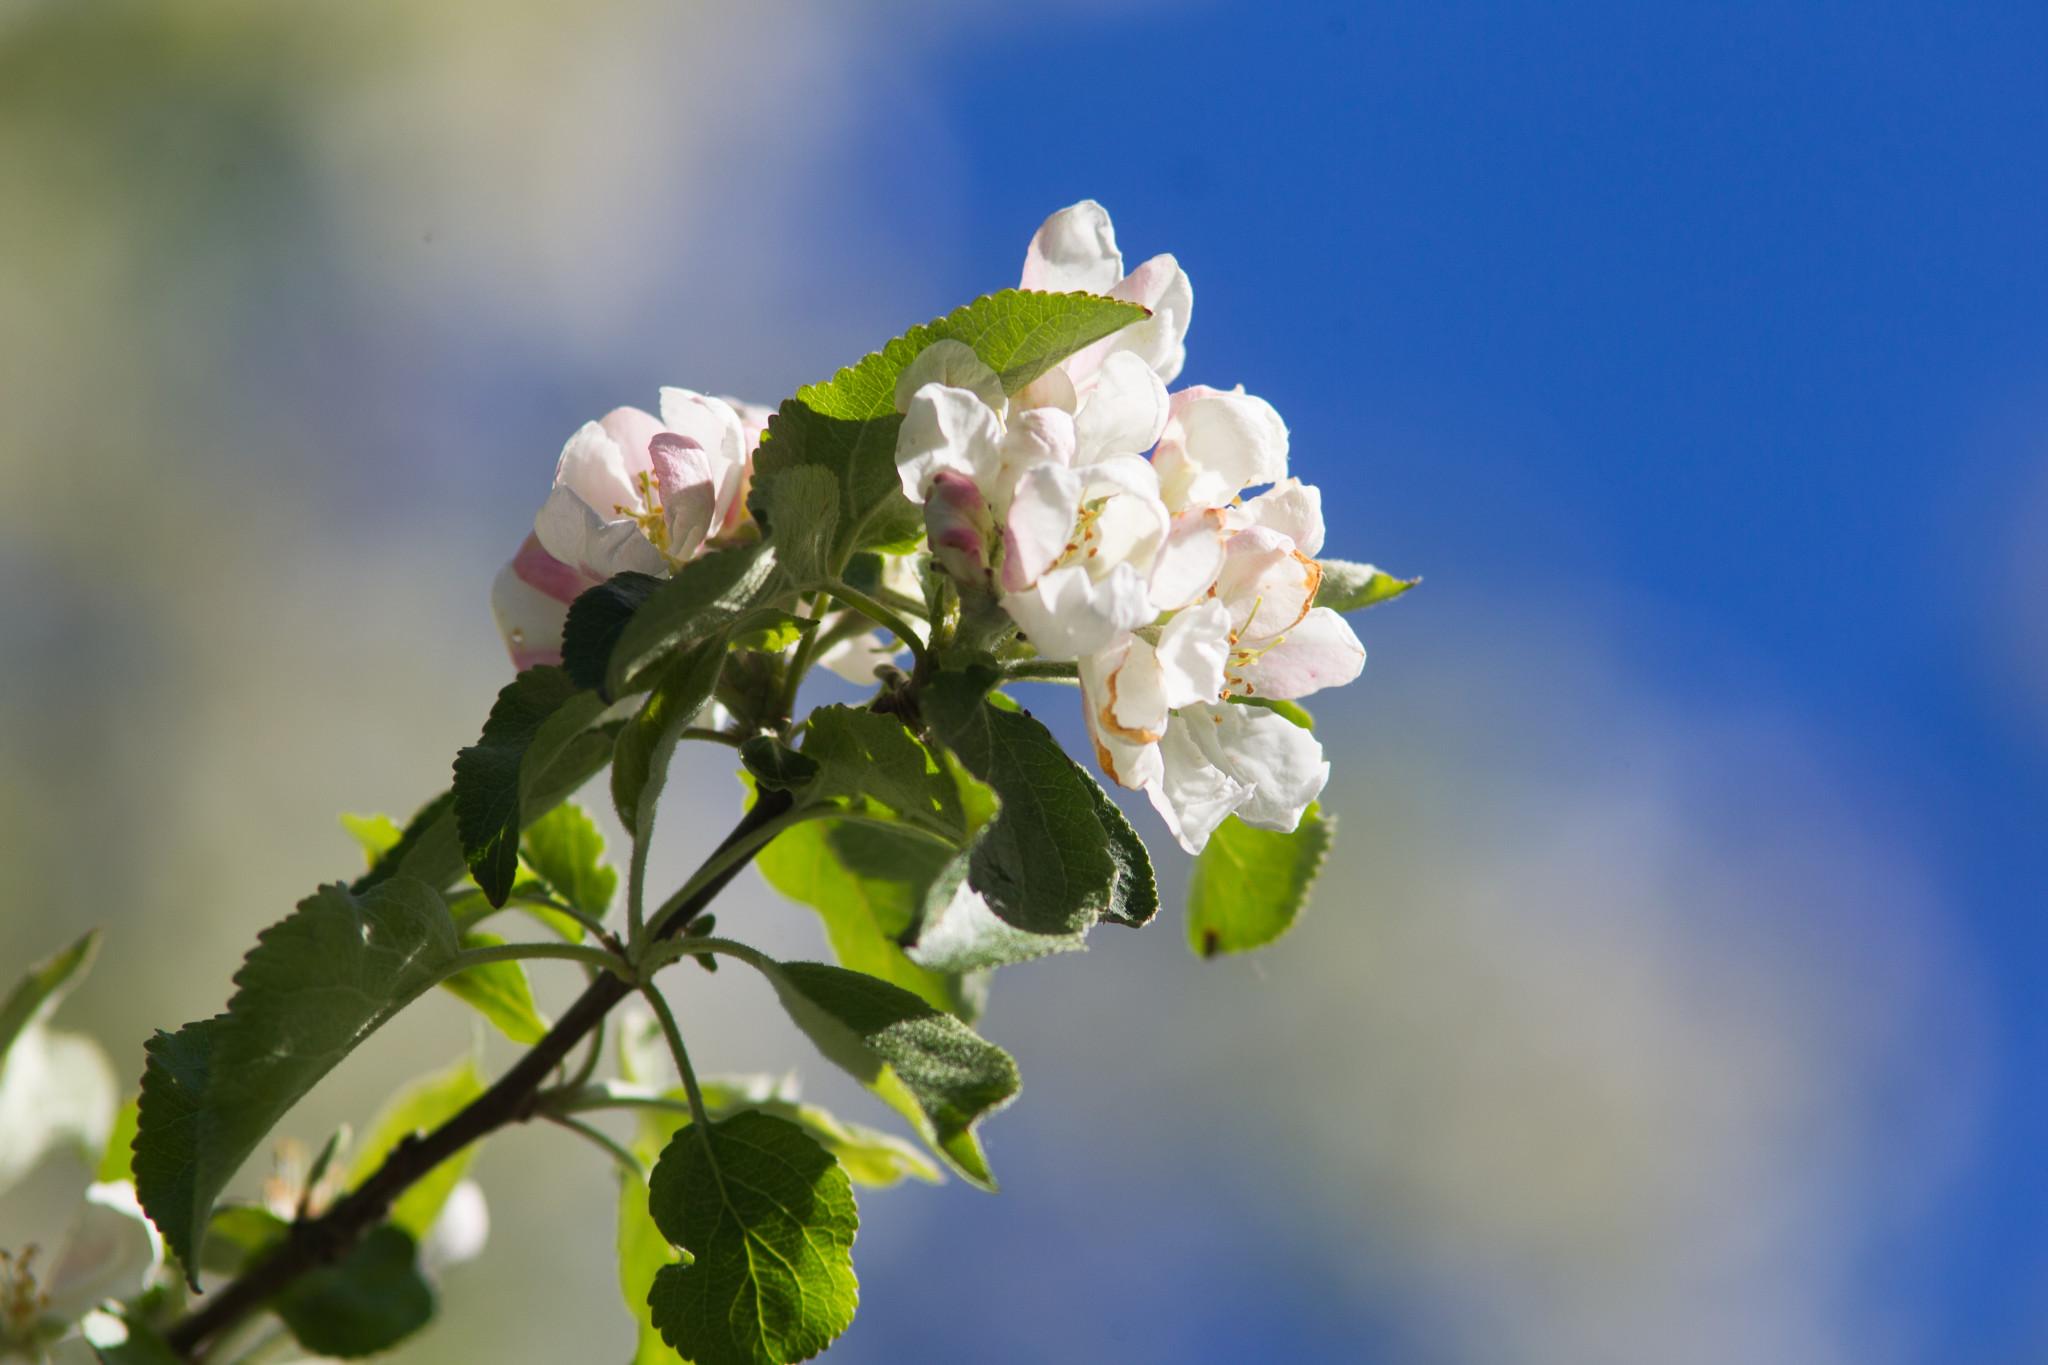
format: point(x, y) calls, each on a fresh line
point(1675, 993)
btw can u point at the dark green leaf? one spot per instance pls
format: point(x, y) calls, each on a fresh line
point(500, 992)
point(237, 1235)
point(369, 1301)
point(708, 598)
point(1249, 885)
point(870, 765)
point(776, 766)
point(536, 716)
point(1045, 865)
point(847, 425)
point(566, 851)
point(769, 1218)
point(1354, 587)
point(1134, 896)
point(926, 1064)
point(596, 619)
point(315, 986)
point(803, 516)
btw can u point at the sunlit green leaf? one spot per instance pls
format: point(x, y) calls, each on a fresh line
point(1354, 587)
point(43, 987)
point(375, 834)
point(768, 1217)
point(847, 425)
point(1249, 885)
point(566, 851)
point(500, 992)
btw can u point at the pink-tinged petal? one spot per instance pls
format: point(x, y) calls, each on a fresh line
point(1124, 412)
point(945, 429)
point(955, 365)
point(1187, 564)
point(631, 429)
point(542, 571)
point(1040, 526)
point(688, 478)
point(1323, 651)
point(753, 420)
point(529, 619)
point(1193, 795)
point(1266, 584)
point(1075, 249)
point(708, 421)
point(1161, 286)
point(1291, 507)
point(594, 467)
point(1193, 648)
point(1278, 760)
point(1067, 614)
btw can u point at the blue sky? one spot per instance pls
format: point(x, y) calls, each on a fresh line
point(1740, 312)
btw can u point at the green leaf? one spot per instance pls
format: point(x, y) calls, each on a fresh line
point(315, 986)
point(868, 885)
point(776, 766)
point(1044, 866)
point(957, 933)
point(566, 851)
point(647, 744)
point(1134, 894)
point(376, 834)
point(117, 1158)
point(1249, 885)
point(500, 992)
point(427, 849)
point(43, 988)
point(237, 1235)
point(924, 1063)
point(708, 598)
point(847, 425)
point(422, 1105)
point(869, 765)
point(369, 1301)
point(803, 507)
point(596, 619)
point(1354, 587)
point(769, 1219)
point(537, 715)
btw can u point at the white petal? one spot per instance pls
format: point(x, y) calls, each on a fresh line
point(1187, 564)
point(631, 430)
point(1267, 584)
point(945, 429)
point(1218, 443)
point(459, 1231)
point(1291, 507)
point(1040, 525)
point(1135, 708)
point(108, 1253)
point(1160, 340)
point(1075, 249)
point(1035, 436)
point(1131, 523)
point(57, 1091)
point(1193, 647)
point(710, 422)
point(1053, 389)
point(1280, 761)
point(1193, 795)
point(953, 364)
point(571, 531)
point(1124, 412)
point(1067, 614)
point(1323, 651)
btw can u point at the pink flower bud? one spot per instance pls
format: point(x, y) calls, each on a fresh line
point(961, 528)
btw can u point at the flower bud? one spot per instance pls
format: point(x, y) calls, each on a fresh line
point(961, 528)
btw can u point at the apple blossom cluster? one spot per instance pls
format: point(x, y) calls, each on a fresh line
point(1105, 514)
point(1109, 518)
